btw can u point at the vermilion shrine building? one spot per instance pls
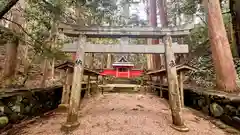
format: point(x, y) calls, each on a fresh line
point(122, 69)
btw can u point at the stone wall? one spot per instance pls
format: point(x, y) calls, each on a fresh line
point(219, 105)
point(16, 105)
point(223, 106)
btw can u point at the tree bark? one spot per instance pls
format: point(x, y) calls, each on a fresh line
point(10, 61)
point(235, 13)
point(24, 47)
point(221, 53)
point(153, 22)
point(149, 56)
point(53, 39)
point(162, 7)
point(12, 49)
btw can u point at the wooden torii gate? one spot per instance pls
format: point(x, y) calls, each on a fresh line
point(81, 47)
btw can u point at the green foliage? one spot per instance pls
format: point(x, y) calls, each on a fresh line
point(200, 55)
point(237, 66)
point(3, 3)
point(138, 80)
point(205, 75)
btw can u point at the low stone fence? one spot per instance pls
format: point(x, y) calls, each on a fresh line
point(16, 105)
point(221, 105)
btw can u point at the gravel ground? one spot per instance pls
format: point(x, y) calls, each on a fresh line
point(123, 114)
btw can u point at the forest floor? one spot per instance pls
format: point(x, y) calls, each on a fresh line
point(123, 114)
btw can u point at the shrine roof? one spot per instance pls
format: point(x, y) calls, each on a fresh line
point(180, 68)
point(123, 62)
point(70, 65)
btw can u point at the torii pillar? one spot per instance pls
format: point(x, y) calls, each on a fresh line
point(72, 118)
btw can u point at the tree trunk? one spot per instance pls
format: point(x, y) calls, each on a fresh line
point(235, 13)
point(162, 7)
point(149, 56)
point(44, 73)
point(10, 61)
point(91, 65)
point(109, 61)
point(53, 40)
point(12, 49)
point(221, 53)
point(25, 47)
point(153, 22)
point(47, 64)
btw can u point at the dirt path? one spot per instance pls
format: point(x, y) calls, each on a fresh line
point(124, 114)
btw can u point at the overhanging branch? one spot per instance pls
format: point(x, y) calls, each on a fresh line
point(20, 37)
point(9, 5)
point(20, 26)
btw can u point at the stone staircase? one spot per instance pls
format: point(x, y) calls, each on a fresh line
point(123, 81)
point(122, 85)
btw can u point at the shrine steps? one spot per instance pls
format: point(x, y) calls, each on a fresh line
point(123, 81)
point(128, 88)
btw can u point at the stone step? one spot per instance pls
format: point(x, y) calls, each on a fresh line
point(123, 81)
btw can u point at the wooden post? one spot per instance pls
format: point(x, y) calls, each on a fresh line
point(63, 101)
point(89, 87)
point(181, 74)
point(62, 75)
point(151, 83)
point(92, 61)
point(66, 90)
point(173, 89)
point(103, 82)
point(117, 71)
point(72, 118)
point(68, 85)
point(97, 90)
point(160, 84)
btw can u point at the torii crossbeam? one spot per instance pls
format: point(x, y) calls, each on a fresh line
point(74, 30)
point(118, 48)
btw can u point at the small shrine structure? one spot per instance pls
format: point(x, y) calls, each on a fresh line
point(122, 69)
